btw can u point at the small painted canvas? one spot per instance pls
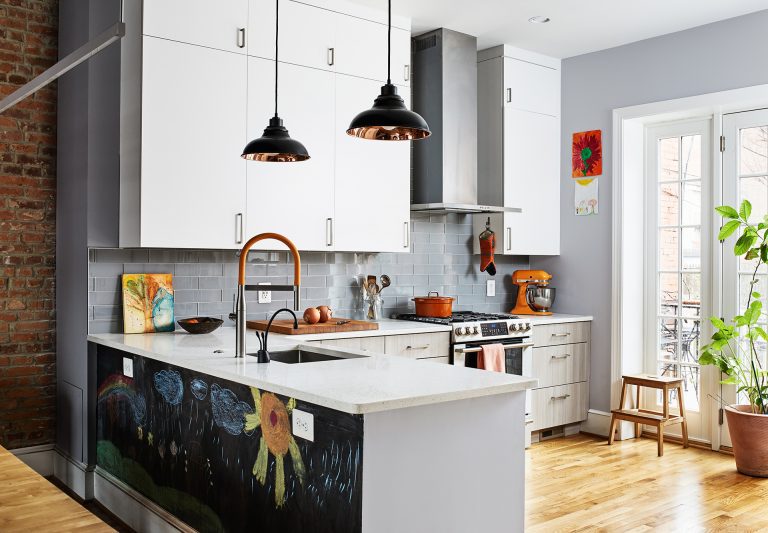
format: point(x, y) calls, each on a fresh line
point(585, 197)
point(148, 303)
point(587, 154)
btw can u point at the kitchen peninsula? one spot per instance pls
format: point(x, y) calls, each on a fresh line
point(366, 442)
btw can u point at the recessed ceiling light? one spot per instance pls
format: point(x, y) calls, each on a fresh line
point(539, 19)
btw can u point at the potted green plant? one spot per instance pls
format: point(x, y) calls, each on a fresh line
point(735, 348)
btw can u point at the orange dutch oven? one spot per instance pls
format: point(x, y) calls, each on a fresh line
point(434, 306)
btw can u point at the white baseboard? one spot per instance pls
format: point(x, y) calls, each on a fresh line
point(38, 458)
point(597, 423)
point(75, 475)
point(136, 511)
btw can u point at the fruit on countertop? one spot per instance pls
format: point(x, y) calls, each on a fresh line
point(325, 313)
point(311, 315)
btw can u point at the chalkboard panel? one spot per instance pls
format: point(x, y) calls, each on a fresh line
point(221, 456)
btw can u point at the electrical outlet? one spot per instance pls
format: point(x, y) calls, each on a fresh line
point(490, 287)
point(128, 367)
point(304, 424)
point(265, 297)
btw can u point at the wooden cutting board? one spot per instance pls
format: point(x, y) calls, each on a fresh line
point(285, 327)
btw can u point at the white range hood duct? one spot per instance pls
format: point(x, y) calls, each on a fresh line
point(445, 94)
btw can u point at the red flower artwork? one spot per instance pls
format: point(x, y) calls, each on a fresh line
point(587, 155)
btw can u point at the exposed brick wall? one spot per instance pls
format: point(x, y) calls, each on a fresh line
point(28, 41)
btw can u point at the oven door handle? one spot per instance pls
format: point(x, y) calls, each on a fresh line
point(506, 347)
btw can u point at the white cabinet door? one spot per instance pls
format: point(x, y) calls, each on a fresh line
point(307, 33)
point(193, 128)
point(361, 48)
point(532, 182)
point(215, 25)
point(372, 187)
point(294, 199)
point(531, 87)
point(401, 57)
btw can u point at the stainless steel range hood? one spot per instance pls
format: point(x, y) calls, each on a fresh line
point(445, 94)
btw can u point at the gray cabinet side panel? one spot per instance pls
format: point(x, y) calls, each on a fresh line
point(490, 135)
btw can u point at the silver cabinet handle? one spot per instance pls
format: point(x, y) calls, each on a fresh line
point(563, 397)
point(509, 95)
point(566, 356)
point(509, 239)
point(406, 234)
point(239, 228)
point(560, 334)
point(425, 347)
point(329, 232)
point(331, 56)
point(241, 37)
point(407, 72)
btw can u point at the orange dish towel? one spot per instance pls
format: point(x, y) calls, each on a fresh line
point(491, 358)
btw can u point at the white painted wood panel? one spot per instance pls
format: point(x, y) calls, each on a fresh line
point(531, 87)
point(418, 346)
point(294, 199)
point(557, 406)
point(568, 333)
point(361, 48)
point(307, 33)
point(372, 187)
point(561, 365)
point(192, 178)
point(215, 25)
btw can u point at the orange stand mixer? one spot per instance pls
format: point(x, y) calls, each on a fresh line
point(534, 296)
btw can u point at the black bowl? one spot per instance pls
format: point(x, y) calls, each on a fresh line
point(200, 324)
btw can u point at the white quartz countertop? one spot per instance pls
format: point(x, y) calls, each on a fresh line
point(557, 318)
point(359, 385)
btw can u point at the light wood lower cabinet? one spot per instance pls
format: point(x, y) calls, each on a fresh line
point(366, 344)
point(418, 346)
point(558, 406)
point(568, 333)
point(557, 365)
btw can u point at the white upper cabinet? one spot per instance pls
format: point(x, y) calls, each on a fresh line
point(372, 179)
point(401, 57)
point(295, 199)
point(202, 22)
point(519, 149)
point(192, 178)
point(362, 48)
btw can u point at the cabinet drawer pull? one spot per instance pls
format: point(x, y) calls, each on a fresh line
point(407, 72)
point(509, 95)
point(406, 234)
point(331, 56)
point(425, 347)
point(563, 397)
point(329, 232)
point(239, 228)
point(565, 356)
point(241, 37)
point(509, 239)
point(560, 334)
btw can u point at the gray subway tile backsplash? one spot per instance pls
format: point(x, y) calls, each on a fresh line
point(205, 280)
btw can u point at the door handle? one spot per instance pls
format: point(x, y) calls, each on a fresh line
point(509, 239)
point(407, 72)
point(329, 232)
point(241, 37)
point(406, 235)
point(509, 95)
point(239, 228)
point(331, 56)
point(566, 356)
point(563, 397)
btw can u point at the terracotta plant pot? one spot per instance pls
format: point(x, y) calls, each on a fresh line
point(749, 435)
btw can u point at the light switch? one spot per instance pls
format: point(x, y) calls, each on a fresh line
point(304, 424)
point(128, 367)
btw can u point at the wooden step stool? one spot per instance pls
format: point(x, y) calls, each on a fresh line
point(651, 418)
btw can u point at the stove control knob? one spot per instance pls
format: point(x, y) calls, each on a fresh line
point(514, 327)
point(475, 330)
point(458, 332)
point(466, 331)
point(526, 326)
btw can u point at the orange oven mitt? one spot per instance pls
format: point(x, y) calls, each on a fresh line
point(487, 246)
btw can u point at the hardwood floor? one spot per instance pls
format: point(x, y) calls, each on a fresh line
point(580, 484)
point(29, 502)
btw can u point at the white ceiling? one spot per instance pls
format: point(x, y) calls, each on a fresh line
point(577, 27)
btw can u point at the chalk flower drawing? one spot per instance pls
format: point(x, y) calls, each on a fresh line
point(271, 415)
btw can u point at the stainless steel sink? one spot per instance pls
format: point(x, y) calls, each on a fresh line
point(309, 356)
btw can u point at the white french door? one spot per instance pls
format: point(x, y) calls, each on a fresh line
point(745, 177)
point(678, 267)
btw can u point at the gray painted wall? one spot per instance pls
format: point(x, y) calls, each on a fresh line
point(204, 281)
point(716, 57)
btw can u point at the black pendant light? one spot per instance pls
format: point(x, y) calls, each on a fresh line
point(275, 145)
point(389, 119)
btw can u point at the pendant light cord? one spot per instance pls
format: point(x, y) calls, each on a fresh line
point(389, 43)
point(277, 29)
